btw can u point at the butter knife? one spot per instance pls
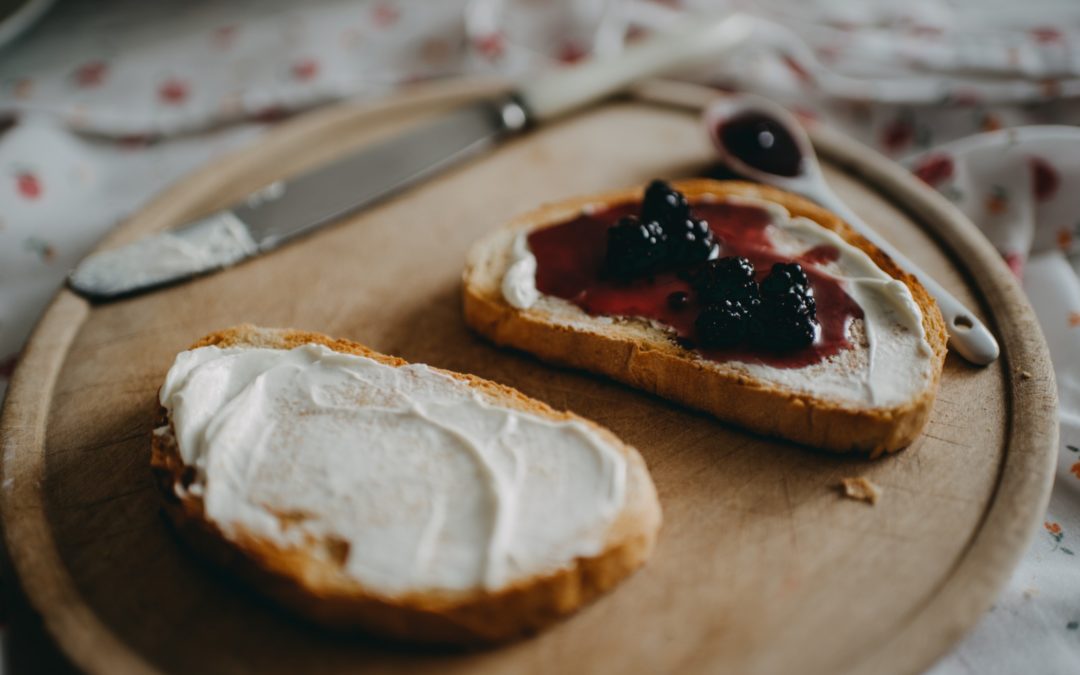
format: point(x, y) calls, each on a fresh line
point(299, 204)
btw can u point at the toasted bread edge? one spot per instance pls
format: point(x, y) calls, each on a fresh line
point(309, 581)
point(661, 367)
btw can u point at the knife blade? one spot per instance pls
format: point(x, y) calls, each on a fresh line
point(288, 208)
point(296, 205)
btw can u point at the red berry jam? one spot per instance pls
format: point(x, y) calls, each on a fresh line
point(763, 143)
point(570, 265)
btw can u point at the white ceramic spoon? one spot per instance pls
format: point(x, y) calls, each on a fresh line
point(967, 335)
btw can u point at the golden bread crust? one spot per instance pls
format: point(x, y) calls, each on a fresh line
point(658, 365)
point(310, 581)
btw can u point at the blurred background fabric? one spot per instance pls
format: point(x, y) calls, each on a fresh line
point(104, 104)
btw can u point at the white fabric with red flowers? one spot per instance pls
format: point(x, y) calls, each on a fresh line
point(115, 100)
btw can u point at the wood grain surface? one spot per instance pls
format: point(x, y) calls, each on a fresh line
point(761, 566)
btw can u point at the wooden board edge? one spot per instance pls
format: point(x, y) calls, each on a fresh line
point(1023, 487)
point(1024, 482)
point(32, 557)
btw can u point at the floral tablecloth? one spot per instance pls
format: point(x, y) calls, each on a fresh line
point(106, 103)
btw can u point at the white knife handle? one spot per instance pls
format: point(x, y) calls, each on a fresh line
point(561, 92)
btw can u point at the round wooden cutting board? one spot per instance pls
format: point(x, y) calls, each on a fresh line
point(761, 566)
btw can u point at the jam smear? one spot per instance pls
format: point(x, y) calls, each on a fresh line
point(570, 265)
point(762, 143)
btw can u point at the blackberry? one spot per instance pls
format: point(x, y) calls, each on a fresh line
point(784, 276)
point(678, 299)
point(794, 302)
point(786, 291)
point(787, 318)
point(635, 248)
point(664, 204)
point(724, 324)
point(784, 333)
point(725, 279)
point(691, 241)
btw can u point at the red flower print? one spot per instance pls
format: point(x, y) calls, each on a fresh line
point(305, 69)
point(135, 141)
point(173, 91)
point(23, 87)
point(28, 185)
point(934, 168)
point(385, 14)
point(571, 52)
point(1064, 239)
point(90, 74)
point(416, 77)
point(997, 202)
point(1045, 179)
point(964, 97)
point(270, 114)
point(635, 33)
point(797, 68)
point(828, 53)
point(1046, 34)
point(224, 37)
point(897, 135)
point(41, 247)
point(923, 30)
point(990, 122)
point(7, 366)
point(1015, 261)
point(1055, 531)
point(1074, 319)
point(806, 115)
point(490, 46)
point(435, 50)
point(1051, 88)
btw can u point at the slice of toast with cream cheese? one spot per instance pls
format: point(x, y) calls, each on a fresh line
point(412, 502)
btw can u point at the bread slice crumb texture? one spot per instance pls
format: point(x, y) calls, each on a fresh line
point(860, 489)
point(873, 397)
point(397, 481)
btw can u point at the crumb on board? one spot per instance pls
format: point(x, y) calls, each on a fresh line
point(860, 489)
point(1025, 375)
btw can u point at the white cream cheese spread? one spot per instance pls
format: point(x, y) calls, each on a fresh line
point(219, 240)
point(519, 282)
point(426, 482)
point(891, 360)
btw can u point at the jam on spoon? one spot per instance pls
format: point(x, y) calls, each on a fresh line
point(763, 143)
point(794, 167)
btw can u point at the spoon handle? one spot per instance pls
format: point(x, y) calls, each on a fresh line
point(967, 334)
